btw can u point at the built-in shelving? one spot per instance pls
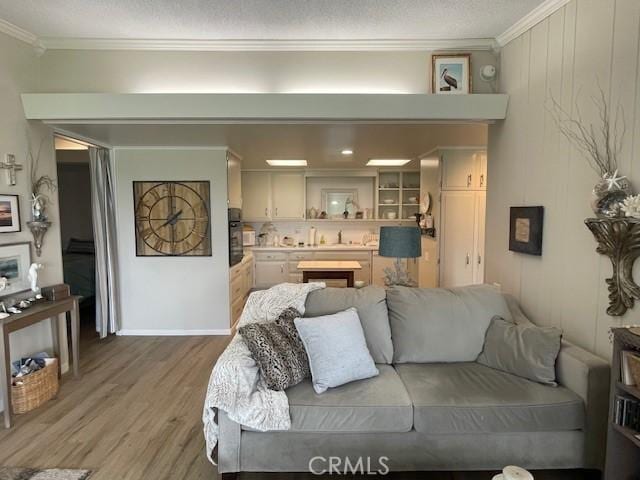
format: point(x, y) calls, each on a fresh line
point(400, 186)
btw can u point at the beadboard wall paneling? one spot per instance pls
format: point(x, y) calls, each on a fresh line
point(585, 45)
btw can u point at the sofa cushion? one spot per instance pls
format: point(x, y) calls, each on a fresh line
point(379, 404)
point(524, 350)
point(442, 325)
point(472, 398)
point(372, 308)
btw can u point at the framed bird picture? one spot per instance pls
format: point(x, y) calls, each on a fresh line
point(451, 74)
point(172, 218)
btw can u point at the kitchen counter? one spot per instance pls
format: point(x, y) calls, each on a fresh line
point(317, 248)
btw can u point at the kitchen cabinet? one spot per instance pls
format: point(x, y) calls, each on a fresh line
point(273, 267)
point(234, 181)
point(256, 195)
point(240, 284)
point(464, 169)
point(462, 238)
point(287, 196)
point(272, 195)
point(398, 195)
point(269, 273)
point(481, 213)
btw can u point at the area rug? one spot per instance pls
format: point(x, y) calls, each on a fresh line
point(12, 473)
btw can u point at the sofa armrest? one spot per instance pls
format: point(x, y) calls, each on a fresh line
point(228, 444)
point(588, 376)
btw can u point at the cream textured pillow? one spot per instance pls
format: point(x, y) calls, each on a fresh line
point(525, 350)
point(336, 348)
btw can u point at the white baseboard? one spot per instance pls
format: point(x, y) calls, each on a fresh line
point(172, 333)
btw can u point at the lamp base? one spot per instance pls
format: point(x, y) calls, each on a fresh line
point(398, 276)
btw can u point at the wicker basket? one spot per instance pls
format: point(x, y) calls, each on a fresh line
point(35, 388)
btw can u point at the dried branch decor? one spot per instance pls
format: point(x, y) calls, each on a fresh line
point(599, 144)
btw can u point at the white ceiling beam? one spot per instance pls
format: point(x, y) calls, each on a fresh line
point(85, 107)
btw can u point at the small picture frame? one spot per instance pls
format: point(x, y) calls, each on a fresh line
point(451, 74)
point(9, 213)
point(525, 230)
point(15, 260)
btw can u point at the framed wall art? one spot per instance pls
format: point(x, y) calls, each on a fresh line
point(451, 74)
point(525, 230)
point(9, 213)
point(172, 218)
point(15, 259)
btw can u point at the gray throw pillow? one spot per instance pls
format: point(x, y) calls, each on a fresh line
point(525, 350)
point(371, 302)
point(336, 348)
point(277, 349)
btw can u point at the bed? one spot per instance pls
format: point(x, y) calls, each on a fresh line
point(79, 266)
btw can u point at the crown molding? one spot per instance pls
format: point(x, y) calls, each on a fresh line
point(531, 19)
point(266, 45)
point(18, 33)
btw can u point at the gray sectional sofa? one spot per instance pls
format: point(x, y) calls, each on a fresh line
point(432, 407)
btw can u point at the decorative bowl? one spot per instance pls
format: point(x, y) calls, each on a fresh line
point(391, 215)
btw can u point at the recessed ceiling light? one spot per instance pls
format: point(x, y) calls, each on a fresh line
point(388, 162)
point(347, 151)
point(287, 163)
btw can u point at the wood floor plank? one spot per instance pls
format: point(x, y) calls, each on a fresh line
point(135, 414)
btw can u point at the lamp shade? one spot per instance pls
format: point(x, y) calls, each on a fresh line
point(400, 242)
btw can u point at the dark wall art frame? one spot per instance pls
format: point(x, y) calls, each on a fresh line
point(525, 230)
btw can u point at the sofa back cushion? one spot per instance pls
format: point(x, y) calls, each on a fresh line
point(431, 325)
point(370, 302)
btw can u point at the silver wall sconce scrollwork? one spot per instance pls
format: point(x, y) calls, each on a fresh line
point(619, 239)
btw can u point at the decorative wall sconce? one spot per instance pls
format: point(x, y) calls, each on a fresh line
point(38, 230)
point(619, 239)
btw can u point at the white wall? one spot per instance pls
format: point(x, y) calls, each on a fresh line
point(259, 72)
point(530, 163)
point(173, 295)
point(19, 73)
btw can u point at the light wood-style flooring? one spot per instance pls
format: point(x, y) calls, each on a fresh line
point(135, 413)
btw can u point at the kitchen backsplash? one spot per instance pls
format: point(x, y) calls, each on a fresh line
point(351, 231)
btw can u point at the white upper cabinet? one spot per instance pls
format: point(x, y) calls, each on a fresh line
point(256, 195)
point(457, 238)
point(287, 195)
point(482, 170)
point(234, 182)
point(464, 169)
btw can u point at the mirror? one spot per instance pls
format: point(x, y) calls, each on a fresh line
point(336, 200)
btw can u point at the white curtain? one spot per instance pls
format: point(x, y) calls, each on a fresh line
point(104, 234)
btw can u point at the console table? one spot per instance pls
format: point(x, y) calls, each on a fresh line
point(329, 270)
point(41, 311)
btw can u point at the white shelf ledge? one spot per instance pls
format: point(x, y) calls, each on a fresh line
point(141, 107)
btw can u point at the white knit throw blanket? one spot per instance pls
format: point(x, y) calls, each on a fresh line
point(235, 385)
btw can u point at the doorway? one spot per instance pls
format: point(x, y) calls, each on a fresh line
point(76, 227)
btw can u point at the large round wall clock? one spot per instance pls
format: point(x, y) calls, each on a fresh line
point(172, 218)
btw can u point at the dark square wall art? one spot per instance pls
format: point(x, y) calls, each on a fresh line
point(525, 230)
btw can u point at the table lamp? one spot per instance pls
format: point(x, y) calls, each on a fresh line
point(399, 242)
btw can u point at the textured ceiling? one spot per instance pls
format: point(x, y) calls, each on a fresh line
point(266, 19)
